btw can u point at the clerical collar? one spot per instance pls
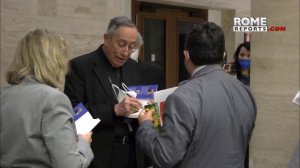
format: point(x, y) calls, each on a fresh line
point(116, 68)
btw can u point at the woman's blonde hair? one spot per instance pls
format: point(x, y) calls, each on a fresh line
point(42, 54)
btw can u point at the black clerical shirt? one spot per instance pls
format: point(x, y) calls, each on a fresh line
point(121, 128)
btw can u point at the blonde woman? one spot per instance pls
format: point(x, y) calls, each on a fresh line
point(37, 129)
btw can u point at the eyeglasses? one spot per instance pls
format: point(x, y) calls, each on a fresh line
point(127, 47)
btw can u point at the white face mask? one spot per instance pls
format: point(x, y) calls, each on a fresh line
point(121, 93)
point(135, 55)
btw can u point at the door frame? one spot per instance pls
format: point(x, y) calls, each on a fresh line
point(172, 16)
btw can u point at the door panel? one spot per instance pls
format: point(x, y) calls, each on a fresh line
point(154, 41)
point(163, 29)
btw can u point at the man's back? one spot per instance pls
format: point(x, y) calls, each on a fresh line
point(224, 112)
point(208, 120)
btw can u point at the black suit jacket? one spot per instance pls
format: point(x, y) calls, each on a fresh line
point(152, 73)
point(88, 82)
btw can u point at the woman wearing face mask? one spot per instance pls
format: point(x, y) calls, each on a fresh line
point(242, 70)
point(242, 62)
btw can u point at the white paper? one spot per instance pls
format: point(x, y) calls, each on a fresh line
point(134, 115)
point(159, 96)
point(84, 122)
point(296, 99)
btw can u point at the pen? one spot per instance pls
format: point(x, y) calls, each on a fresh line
point(132, 94)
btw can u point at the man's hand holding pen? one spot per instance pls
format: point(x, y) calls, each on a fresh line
point(127, 106)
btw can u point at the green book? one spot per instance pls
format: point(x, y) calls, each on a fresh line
point(156, 114)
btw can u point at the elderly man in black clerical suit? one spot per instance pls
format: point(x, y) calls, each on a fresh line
point(90, 82)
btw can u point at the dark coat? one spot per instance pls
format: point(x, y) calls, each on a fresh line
point(88, 82)
point(152, 74)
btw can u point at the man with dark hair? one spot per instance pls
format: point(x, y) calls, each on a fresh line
point(208, 120)
point(90, 82)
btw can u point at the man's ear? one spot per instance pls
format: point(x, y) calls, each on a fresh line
point(105, 37)
point(186, 54)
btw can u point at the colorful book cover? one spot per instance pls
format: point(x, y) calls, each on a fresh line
point(156, 114)
point(161, 111)
point(160, 97)
point(84, 122)
point(144, 91)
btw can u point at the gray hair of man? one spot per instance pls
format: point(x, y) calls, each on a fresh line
point(117, 22)
point(139, 43)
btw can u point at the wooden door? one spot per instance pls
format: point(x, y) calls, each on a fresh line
point(163, 28)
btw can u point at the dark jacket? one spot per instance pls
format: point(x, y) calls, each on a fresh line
point(88, 82)
point(151, 74)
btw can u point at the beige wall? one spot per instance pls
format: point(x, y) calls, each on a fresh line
point(81, 22)
point(275, 81)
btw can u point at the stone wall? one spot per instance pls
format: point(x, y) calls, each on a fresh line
point(275, 81)
point(81, 23)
